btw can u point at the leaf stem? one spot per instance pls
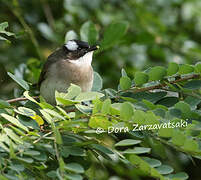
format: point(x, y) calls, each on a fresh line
point(159, 86)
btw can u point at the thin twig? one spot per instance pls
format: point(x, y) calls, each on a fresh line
point(48, 14)
point(191, 153)
point(20, 99)
point(137, 89)
point(134, 89)
point(42, 137)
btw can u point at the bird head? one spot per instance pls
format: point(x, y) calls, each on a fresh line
point(77, 51)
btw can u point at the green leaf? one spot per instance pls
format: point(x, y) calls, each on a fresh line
point(178, 176)
point(46, 116)
point(99, 122)
point(126, 111)
point(25, 111)
point(20, 81)
point(73, 91)
point(11, 149)
point(152, 162)
point(97, 82)
point(65, 102)
point(52, 174)
point(141, 78)
point(75, 151)
point(198, 67)
point(125, 82)
point(4, 39)
point(102, 148)
point(165, 132)
point(31, 153)
point(4, 104)
point(73, 176)
point(83, 109)
point(157, 73)
point(70, 35)
point(139, 117)
point(123, 72)
point(192, 101)
point(16, 167)
point(172, 68)
point(113, 34)
point(137, 150)
point(178, 138)
point(168, 101)
point(128, 142)
point(193, 85)
point(3, 26)
point(26, 94)
point(191, 145)
point(144, 166)
point(14, 121)
point(88, 96)
point(25, 159)
point(57, 136)
point(74, 167)
point(89, 33)
point(184, 108)
point(97, 105)
point(165, 169)
point(13, 136)
point(42, 157)
point(106, 106)
point(66, 98)
point(115, 108)
point(54, 113)
point(186, 69)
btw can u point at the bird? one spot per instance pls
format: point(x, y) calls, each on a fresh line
point(69, 64)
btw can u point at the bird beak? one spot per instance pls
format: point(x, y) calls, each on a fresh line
point(93, 48)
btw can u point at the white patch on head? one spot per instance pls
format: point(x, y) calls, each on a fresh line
point(84, 60)
point(71, 45)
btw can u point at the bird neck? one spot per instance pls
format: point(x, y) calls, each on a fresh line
point(84, 60)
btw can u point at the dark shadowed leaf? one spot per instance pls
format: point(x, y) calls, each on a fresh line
point(74, 167)
point(128, 142)
point(20, 81)
point(193, 84)
point(113, 33)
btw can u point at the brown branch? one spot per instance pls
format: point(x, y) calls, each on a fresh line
point(48, 14)
point(136, 89)
point(20, 99)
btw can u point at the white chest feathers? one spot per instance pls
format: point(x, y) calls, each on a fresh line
point(84, 60)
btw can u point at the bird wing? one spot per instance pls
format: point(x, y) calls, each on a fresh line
point(55, 56)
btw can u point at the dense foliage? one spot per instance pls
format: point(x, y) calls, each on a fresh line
point(146, 128)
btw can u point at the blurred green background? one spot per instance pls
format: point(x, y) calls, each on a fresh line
point(159, 31)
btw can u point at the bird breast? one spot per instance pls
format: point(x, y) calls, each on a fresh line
point(61, 74)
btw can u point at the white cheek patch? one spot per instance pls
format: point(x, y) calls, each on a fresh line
point(71, 45)
point(84, 60)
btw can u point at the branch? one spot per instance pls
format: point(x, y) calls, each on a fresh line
point(16, 10)
point(159, 86)
point(48, 14)
point(20, 99)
